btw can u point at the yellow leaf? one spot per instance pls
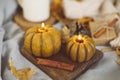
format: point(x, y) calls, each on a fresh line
point(23, 74)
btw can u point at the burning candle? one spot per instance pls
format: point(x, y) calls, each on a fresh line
point(80, 48)
point(79, 39)
point(43, 40)
point(42, 28)
point(43, 25)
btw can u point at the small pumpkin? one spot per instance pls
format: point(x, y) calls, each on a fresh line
point(42, 42)
point(80, 50)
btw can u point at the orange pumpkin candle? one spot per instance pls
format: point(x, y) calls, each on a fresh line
point(43, 40)
point(80, 48)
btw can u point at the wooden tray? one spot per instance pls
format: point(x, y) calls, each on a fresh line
point(59, 74)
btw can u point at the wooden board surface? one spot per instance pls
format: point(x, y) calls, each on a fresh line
point(59, 74)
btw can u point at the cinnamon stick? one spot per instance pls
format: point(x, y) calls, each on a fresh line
point(56, 64)
point(113, 22)
point(101, 31)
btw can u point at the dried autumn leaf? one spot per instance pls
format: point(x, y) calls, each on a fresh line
point(118, 51)
point(23, 74)
point(58, 13)
point(118, 61)
point(13, 69)
point(65, 34)
point(31, 73)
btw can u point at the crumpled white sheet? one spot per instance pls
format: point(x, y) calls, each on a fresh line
point(11, 35)
point(74, 10)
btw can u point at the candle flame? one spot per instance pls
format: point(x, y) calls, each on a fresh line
point(43, 25)
point(79, 37)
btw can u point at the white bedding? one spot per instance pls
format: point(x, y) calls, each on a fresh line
point(10, 36)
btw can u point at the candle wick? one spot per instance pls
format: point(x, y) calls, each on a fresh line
point(77, 28)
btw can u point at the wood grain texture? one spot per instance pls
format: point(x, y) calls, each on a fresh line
point(59, 74)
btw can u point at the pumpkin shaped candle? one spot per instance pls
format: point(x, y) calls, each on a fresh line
point(42, 41)
point(80, 48)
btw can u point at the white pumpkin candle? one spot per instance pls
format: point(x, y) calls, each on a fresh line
point(35, 10)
